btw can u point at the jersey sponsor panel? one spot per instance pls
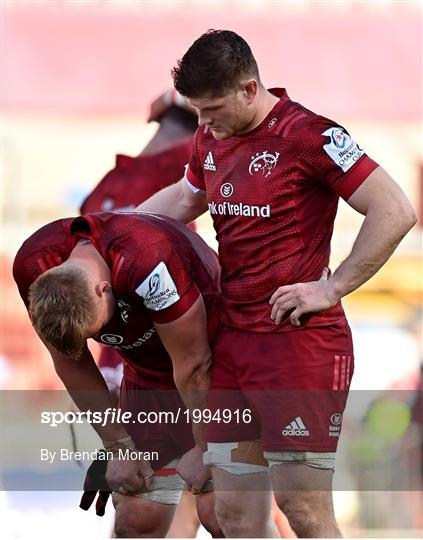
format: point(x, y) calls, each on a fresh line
point(227, 208)
point(139, 341)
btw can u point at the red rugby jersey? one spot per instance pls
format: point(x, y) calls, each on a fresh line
point(132, 181)
point(136, 179)
point(273, 194)
point(159, 267)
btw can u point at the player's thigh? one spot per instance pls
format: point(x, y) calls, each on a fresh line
point(240, 479)
point(138, 517)
point(148, 513)
point(303, 488)
point(302, 476)
point(242, 498)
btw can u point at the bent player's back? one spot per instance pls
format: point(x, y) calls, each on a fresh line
point(158, 270)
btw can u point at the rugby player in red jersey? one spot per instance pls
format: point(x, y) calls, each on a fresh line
point(130, 182)
point(134, 179)
point(149, 287)
point(160, 164)
point(271, 172)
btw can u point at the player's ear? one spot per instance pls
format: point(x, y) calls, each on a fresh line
point(250, 88)
point(103, 287)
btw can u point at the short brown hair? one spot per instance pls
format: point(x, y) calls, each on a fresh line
point(216, 63)
point(61, 308)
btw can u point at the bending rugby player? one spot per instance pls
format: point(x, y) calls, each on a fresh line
point(130, 182)
point(149, 287)
point(134, 179)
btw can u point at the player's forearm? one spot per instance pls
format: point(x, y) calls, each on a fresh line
point(163, 202)
point(193, 385)
point(173, 201)
point(89, 391)
point(380, 234)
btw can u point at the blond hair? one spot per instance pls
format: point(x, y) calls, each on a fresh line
point(61, 308)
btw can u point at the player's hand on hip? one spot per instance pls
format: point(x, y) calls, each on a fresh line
point(302, 298)
point(129, 475)
point(191, 469)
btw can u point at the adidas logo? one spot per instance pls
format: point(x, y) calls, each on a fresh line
point(296, 428)
point(209, 163)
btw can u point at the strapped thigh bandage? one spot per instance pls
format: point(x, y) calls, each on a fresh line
point(167, 485)
point(319, 460)
point(236, 457)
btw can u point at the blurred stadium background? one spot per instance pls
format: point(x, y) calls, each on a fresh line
point(77, 79)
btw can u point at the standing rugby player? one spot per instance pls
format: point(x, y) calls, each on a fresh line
point(271, 172)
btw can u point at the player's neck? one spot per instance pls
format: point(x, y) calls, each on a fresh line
point(86, 256)
point(265, 103)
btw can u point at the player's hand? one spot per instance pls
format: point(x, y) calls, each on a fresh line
point(302, 298)
point(95, 482)
point(129, 475)
point(159, 106)
point(168, 99)
point(192, 470)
